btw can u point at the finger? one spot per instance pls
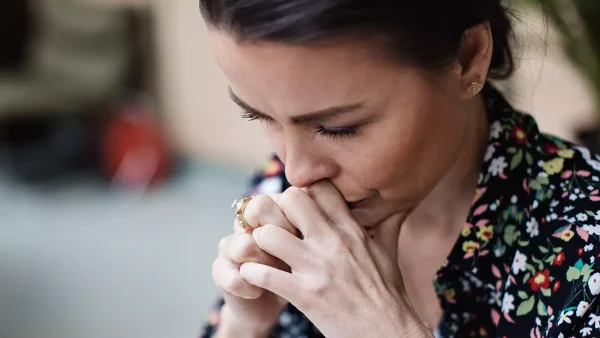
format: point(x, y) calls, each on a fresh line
point(241, 248)
point(238, 228)
point(331, 202)
point(263, 209)
point(281, 283)
point(281, 244)
point(387, 234)
point(303, 213)
point(228, 279)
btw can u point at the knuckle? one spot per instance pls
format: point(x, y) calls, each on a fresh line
point(265, 278)
point(291, 195)
point(217, 270)
point(265, 233)
point(244, 249)
point(258, 206)
point(262, 202)
point(223, 244)
point(318, 286)
point(233, 283)
point(294, 191)
point(341, 244)
point(310, 190)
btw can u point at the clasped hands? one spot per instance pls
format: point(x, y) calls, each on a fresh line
point(307, 249)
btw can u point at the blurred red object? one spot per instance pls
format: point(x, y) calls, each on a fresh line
point(134, 150)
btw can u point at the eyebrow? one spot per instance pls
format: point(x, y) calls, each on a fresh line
point(318, 115)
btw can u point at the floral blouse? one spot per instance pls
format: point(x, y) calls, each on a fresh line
point(524, 264)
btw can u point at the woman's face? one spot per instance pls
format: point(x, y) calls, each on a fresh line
point(384, 134)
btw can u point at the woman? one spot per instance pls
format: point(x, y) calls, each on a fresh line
point(390, 143)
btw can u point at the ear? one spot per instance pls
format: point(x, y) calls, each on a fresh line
point(475, 55)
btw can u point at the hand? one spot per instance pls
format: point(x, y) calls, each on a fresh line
point(252, 306)
point(347, 284)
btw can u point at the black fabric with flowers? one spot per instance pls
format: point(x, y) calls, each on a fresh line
point(524, 264)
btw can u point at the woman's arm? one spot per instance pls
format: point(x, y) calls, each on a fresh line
point(231, 327)
point(223, 324)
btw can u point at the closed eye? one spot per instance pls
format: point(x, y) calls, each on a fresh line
point(255, 116)
point(338, 133)
point(334, 133)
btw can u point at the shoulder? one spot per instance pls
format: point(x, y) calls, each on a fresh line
point(565, 184)
point(555, 278)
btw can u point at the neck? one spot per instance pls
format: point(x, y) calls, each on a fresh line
point(451, 198)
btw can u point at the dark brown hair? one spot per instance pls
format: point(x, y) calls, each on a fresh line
point(423, 33)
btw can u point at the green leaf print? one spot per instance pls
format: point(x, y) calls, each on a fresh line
point(586, 271)
point(579, 264)
point(516, 160)
point(519, 217)
point(590, 213)
point(511, 150)
point(557, 250)
point(529, 158)
point(540, 196)
point(510, 234)
point(543, 180)
point(526, 306)
point(542, 249)
point(541, 308)
point(546, 292)
point(522, 294)
point(559, 143)
point(573, 274)
point(526, 277)
point(561, 229)
point(535, 185)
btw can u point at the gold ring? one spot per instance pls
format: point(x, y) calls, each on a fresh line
point(239, 206)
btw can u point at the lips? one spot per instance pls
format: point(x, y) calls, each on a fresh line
point(365, 213)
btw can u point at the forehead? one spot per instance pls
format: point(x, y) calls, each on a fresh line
point(279, 77)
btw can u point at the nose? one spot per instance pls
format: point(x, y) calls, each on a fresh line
point(302, 168)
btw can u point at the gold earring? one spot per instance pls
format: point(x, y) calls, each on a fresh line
point(474, 88)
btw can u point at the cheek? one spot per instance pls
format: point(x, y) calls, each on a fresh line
point(404, 158)
point(379, 167)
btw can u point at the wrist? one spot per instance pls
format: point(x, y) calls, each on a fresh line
point(413, 328)
point(231, 326)
point(408, 323)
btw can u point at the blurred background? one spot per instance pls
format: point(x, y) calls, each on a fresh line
point(120, 155)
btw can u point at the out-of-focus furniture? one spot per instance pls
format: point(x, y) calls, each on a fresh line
point(83, 58)
point(78, 58)
point(14, 29)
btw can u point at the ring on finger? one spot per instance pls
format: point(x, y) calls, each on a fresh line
point(239, 205)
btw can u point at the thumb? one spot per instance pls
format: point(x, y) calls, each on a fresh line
point(388, 233)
